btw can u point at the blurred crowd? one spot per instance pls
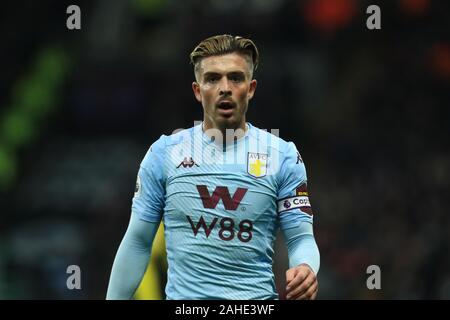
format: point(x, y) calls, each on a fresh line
point(367, 109)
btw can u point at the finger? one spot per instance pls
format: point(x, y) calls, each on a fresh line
point(290, 274)
point(299, 278)
point(306, 295)
point(302, 287)
point(314, 296)
point(309, 293)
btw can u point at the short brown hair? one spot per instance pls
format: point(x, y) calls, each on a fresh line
point(223, 44)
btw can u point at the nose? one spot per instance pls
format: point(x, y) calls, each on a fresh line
point(224, 87)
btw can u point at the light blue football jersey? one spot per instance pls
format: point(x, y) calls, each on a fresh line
point(221, 208)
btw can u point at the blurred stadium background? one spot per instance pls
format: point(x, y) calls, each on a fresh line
point(368, 110)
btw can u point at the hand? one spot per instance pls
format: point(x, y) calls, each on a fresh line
point(301, 283)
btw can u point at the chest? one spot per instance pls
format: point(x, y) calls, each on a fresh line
point(221, 190)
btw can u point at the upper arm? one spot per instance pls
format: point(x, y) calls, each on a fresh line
point(148, 200)
point(293, 201)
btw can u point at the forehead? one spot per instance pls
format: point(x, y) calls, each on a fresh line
point(224, 63)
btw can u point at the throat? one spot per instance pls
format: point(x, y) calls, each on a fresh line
point(225, 136)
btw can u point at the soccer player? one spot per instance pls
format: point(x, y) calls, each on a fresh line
point(222, 189)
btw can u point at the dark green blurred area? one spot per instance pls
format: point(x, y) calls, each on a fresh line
point(368, 110)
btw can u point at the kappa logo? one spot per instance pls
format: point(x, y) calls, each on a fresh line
point(187, 163)
point(299, 158)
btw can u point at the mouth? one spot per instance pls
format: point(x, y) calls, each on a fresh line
point(225, 107)
point(225, 104)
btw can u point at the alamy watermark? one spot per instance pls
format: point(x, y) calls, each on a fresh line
point(374, 280)
point(74, 280)
point(260, 152)
point(73, 22)
point(374, 20)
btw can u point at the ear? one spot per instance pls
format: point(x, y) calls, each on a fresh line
point(252, 89)
point(196, 89)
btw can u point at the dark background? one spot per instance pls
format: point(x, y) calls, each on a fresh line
point(367, 109)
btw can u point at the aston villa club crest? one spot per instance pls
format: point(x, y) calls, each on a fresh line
point(257, 164)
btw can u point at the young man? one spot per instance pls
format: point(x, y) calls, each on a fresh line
point(222, 188)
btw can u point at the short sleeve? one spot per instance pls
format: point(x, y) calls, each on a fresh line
point(149, 195)
point(293, 204)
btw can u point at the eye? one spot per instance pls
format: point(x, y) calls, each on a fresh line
point(236, 78)
point(212, 79)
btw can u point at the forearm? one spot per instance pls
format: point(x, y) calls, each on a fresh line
point(131, 259)
point(302, 247)
point(127, 271)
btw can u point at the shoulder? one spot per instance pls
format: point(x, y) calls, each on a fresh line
point(178, 137)
point(181, 136)
point(273, 140)
point(158, 150)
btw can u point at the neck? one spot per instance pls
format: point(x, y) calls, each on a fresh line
point(224, 135)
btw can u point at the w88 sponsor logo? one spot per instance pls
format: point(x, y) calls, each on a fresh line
point(227, 228)
point(227, 225)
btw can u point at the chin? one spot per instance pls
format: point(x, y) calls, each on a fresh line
point(228, 123)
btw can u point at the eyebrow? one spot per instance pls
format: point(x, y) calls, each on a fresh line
point(231, 73)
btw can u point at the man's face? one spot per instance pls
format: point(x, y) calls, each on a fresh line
point(224, 88)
